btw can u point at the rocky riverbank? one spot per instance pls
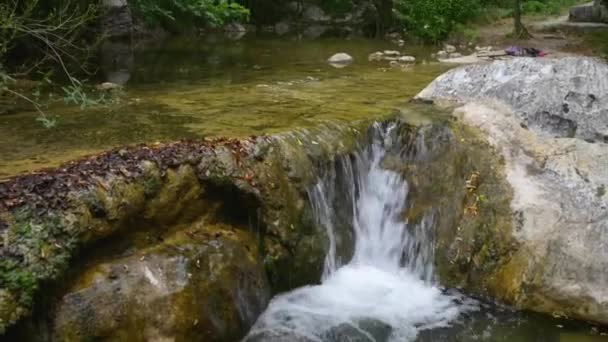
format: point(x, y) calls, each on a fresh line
point(226, 217)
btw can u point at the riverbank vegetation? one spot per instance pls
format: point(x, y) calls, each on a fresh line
point(54, 45)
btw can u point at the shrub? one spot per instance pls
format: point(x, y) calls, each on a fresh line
point(185, 14)
point(433, 20)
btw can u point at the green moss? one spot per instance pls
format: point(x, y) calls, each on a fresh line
point(179, 189)
point(271, 202)
point(39, 248)
point(152, 185)
point(474, 230)
point(16, 279)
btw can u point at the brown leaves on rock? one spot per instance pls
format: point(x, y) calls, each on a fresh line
point(50, 188)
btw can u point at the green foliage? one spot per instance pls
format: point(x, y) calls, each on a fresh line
point(433, 20)
point(336, 7)
point(15, 278)
point(75, 94)
point(183, 14)
point(546, 7)
point(465, 33)
point(50, 34)
point(45, 248)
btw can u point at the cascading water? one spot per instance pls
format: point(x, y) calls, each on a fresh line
point(385, 291)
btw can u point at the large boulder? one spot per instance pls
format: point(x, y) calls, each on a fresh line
point(584, 13)
point(207, 284)
point(548, 120)
point(590, 13)
point(555, 97)
point(173, 241)
point(116, 19)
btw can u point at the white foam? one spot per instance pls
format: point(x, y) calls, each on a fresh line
point(389, 278)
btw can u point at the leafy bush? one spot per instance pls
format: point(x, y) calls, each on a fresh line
point(336, 7)
point(433, 20)
point(185, 14)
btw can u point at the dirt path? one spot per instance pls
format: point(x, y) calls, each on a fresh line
point(554, 35)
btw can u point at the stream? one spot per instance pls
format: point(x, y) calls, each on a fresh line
point(385, 289)
point(188, 88)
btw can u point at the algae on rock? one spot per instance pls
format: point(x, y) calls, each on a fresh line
point(118, 219)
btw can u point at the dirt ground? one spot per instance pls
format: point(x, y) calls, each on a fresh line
point(554, 35)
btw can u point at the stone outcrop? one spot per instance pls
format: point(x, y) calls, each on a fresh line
point(117, 27)
point(163, 242)
point(205, 282)
point(312, 20)
point(548, 121)
point(553, 97)
point(594, 13)
point(116, 19)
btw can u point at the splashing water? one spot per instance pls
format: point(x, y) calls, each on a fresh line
point(385, 292)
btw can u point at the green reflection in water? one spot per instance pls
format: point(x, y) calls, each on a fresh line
point(189, 88)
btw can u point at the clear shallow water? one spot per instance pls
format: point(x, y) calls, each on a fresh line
point(188, 88)
point(387, 290)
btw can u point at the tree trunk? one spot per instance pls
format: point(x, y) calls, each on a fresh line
point(384, 9)
point(520, 31)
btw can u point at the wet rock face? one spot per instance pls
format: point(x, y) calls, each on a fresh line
point(209, 284)
point(556, 97)
point(172, 240)
point(555, 163)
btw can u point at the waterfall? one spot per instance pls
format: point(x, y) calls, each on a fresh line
point(386, 290)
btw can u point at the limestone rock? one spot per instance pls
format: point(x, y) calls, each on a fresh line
point(548, 121)
point(375, 57)
point(406, 59)
point(340, 58)
point(391, 53)
point(450, 48)
point(585, 13)
point(442, 54)
point(557, 97)
point(135, 209)
point(208, 285)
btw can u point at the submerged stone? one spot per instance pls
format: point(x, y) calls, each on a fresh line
point(341, 59)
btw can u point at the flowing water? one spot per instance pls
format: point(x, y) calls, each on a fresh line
point(378, 280)
point(385, 289)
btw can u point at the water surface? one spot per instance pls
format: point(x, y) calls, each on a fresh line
point(189, 88)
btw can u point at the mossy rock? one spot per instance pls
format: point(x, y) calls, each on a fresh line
point(202, 282)
point(258, 186)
